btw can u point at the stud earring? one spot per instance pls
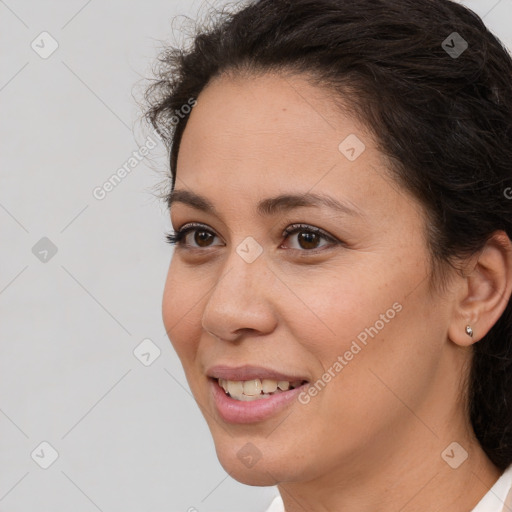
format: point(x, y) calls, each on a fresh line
point(469, 331)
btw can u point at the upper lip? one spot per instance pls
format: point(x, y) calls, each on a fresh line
point(249, 372)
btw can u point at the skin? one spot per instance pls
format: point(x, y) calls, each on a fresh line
point(372, 438)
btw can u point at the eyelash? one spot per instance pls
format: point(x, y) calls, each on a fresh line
point(177, 237)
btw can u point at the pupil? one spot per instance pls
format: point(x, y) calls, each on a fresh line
point(308, 238)
point(202, 236)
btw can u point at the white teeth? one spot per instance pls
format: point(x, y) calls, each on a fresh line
point(234, 388)
point(268, 385)
point(245, 398)
point(252, 387)
point(255, 389)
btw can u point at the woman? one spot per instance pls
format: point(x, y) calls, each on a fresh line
point(339, 295)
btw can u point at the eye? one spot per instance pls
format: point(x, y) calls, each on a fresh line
point(201, 236)
point(309, 237)
point(198, 236)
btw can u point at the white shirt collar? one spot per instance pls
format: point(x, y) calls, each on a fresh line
point(499, 497)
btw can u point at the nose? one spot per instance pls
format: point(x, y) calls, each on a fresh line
point(241, 300)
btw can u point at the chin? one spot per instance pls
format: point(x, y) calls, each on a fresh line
point(247, 464)
point(262, 474)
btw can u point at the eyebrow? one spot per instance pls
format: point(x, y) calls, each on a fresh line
point(266, 207)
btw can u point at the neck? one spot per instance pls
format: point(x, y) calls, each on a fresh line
point(407, 466)
point(409, 482)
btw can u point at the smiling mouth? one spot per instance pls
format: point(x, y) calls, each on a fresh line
point(256, 389)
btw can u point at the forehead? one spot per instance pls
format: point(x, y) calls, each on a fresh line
point(267, 125)
point(258, 137)
point(266, 105)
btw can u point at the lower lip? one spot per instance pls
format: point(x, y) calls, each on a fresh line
point(237, 411)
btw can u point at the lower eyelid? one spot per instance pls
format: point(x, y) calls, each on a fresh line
point(188, 231)
point(324, 236)
point(331, 241)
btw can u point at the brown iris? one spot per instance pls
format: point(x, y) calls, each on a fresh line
point(202, 237)
point(308, 240)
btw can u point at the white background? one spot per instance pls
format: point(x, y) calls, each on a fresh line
point(129, 437)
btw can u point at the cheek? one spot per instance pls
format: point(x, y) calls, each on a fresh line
point(365, 333)
point(331, 311)
point(181, 313)
point(386, 354)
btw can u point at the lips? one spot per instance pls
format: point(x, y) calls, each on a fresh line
point(257, 406)
point(250, 372)
point(235, 411)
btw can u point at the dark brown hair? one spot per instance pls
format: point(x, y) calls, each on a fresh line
point(435, 88)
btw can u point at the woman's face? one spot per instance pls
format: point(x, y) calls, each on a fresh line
point(349, 312)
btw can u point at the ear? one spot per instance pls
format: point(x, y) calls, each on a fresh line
point(484, 292)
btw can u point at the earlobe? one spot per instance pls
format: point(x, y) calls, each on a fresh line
point(486, 291)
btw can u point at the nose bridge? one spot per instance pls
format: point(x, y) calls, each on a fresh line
point(240, 298)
